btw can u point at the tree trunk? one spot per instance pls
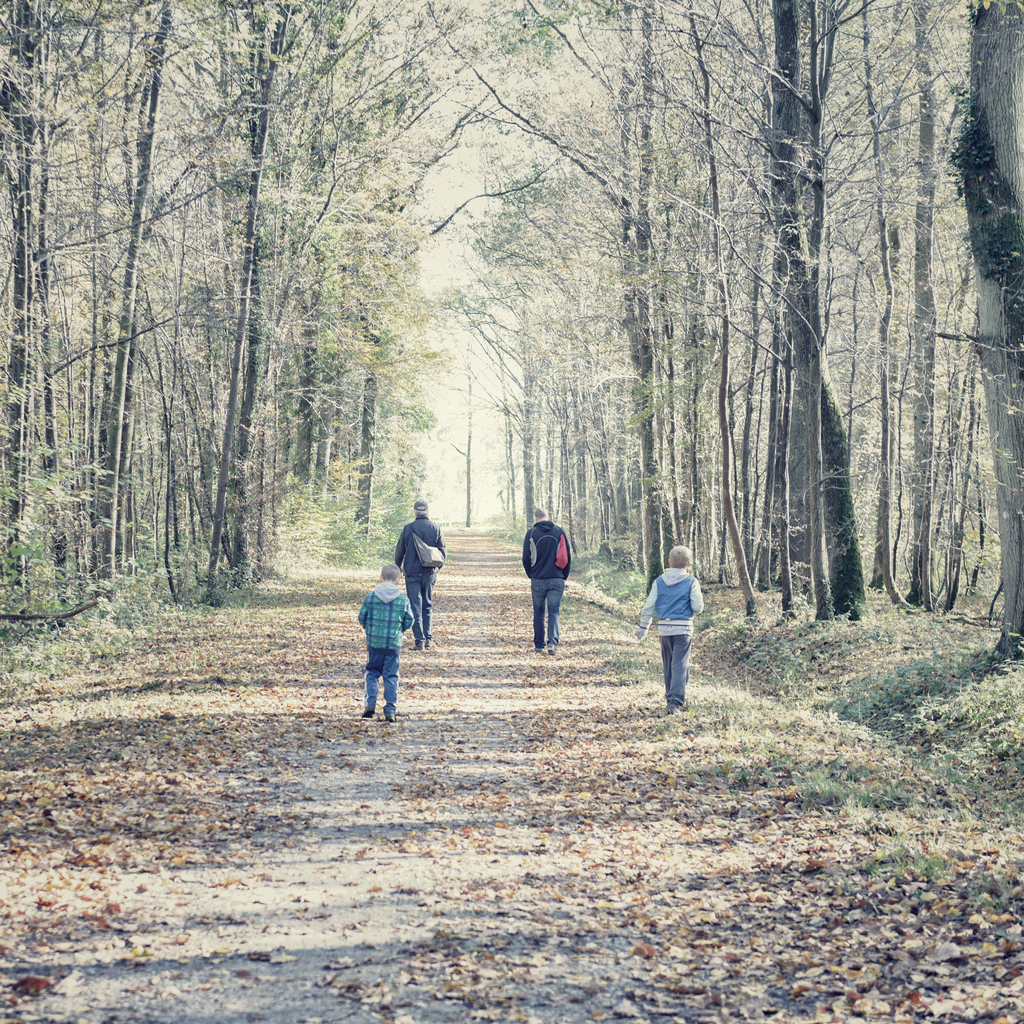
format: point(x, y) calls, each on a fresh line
point(785, 419)
point(696, 488)
point(728, 510)
point(581, 501)
point(846, 569)
point(637, 320)
point(989, 161)
point(748, 420)
point(813, 338)
point(788, 134)
point(922, 474)
point(307, 401)
point(957, 554)
point(242, 561)
point(21, 108)
point(568, 504)
point(367, 450)
point(510, 459)
point(325, 443)
point(529, 444)
point(51, 459)
point(773, 467)
point(120, 409)
point(884, 324)
point(673, 467)
point(549, 479)
point(261, 128)
point(815, 501)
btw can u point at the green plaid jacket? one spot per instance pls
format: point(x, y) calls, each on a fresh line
point(385, 621)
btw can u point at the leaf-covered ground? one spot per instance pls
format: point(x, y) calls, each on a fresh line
point(204, 829)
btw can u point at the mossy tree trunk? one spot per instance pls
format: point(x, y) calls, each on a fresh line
point(989, 156)
point(846, 570)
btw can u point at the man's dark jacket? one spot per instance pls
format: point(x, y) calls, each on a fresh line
point(405, 550)
point(540, 547)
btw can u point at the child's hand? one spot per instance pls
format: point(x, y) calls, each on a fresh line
point(641, 632)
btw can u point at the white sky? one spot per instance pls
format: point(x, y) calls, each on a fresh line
point(443, 266)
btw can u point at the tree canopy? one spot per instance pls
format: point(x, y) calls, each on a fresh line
point(718, 289)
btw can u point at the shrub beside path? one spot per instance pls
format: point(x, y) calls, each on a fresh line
point(204, 829)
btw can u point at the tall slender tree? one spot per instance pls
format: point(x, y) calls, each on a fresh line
point(884, 325)
point(922, 466)
point(269, 47)
point(139, 185)
point(728, 507)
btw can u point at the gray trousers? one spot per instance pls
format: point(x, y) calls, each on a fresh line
point(675, 659)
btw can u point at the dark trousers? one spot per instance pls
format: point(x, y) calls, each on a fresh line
point(420, 590)
point(675, 659)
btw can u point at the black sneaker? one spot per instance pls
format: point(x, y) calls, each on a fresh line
point(368, 712)
point(389, 716)
point(551, 650)
point(426, 645)
point(418, 646)
point(538, 650)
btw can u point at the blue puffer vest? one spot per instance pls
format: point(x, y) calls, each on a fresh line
point(674, 602)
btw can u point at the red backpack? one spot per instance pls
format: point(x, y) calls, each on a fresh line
point(562, 555)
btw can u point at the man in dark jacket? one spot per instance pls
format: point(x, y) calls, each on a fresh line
point(546, 559)
point(419, 579)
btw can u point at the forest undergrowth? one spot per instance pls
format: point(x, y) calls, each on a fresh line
point(927, 683)
point(925, 687)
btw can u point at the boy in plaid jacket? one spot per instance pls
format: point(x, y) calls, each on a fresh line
point(385, 615)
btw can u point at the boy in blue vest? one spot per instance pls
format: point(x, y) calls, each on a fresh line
point(675, 597)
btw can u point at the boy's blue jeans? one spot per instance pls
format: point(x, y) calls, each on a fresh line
point(382, 662)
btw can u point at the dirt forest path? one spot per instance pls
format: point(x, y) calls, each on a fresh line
point(531, 841)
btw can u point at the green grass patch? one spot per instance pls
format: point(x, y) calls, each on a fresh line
point(625, 587)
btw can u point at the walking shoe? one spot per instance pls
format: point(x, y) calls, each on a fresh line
point(670, 708)
point(550, 649)
point(426, 645)
point(418, 646)
point(538, 650)
point(389, 716)
point(368, 712)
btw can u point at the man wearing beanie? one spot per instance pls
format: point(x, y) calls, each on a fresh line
point(419, 579)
